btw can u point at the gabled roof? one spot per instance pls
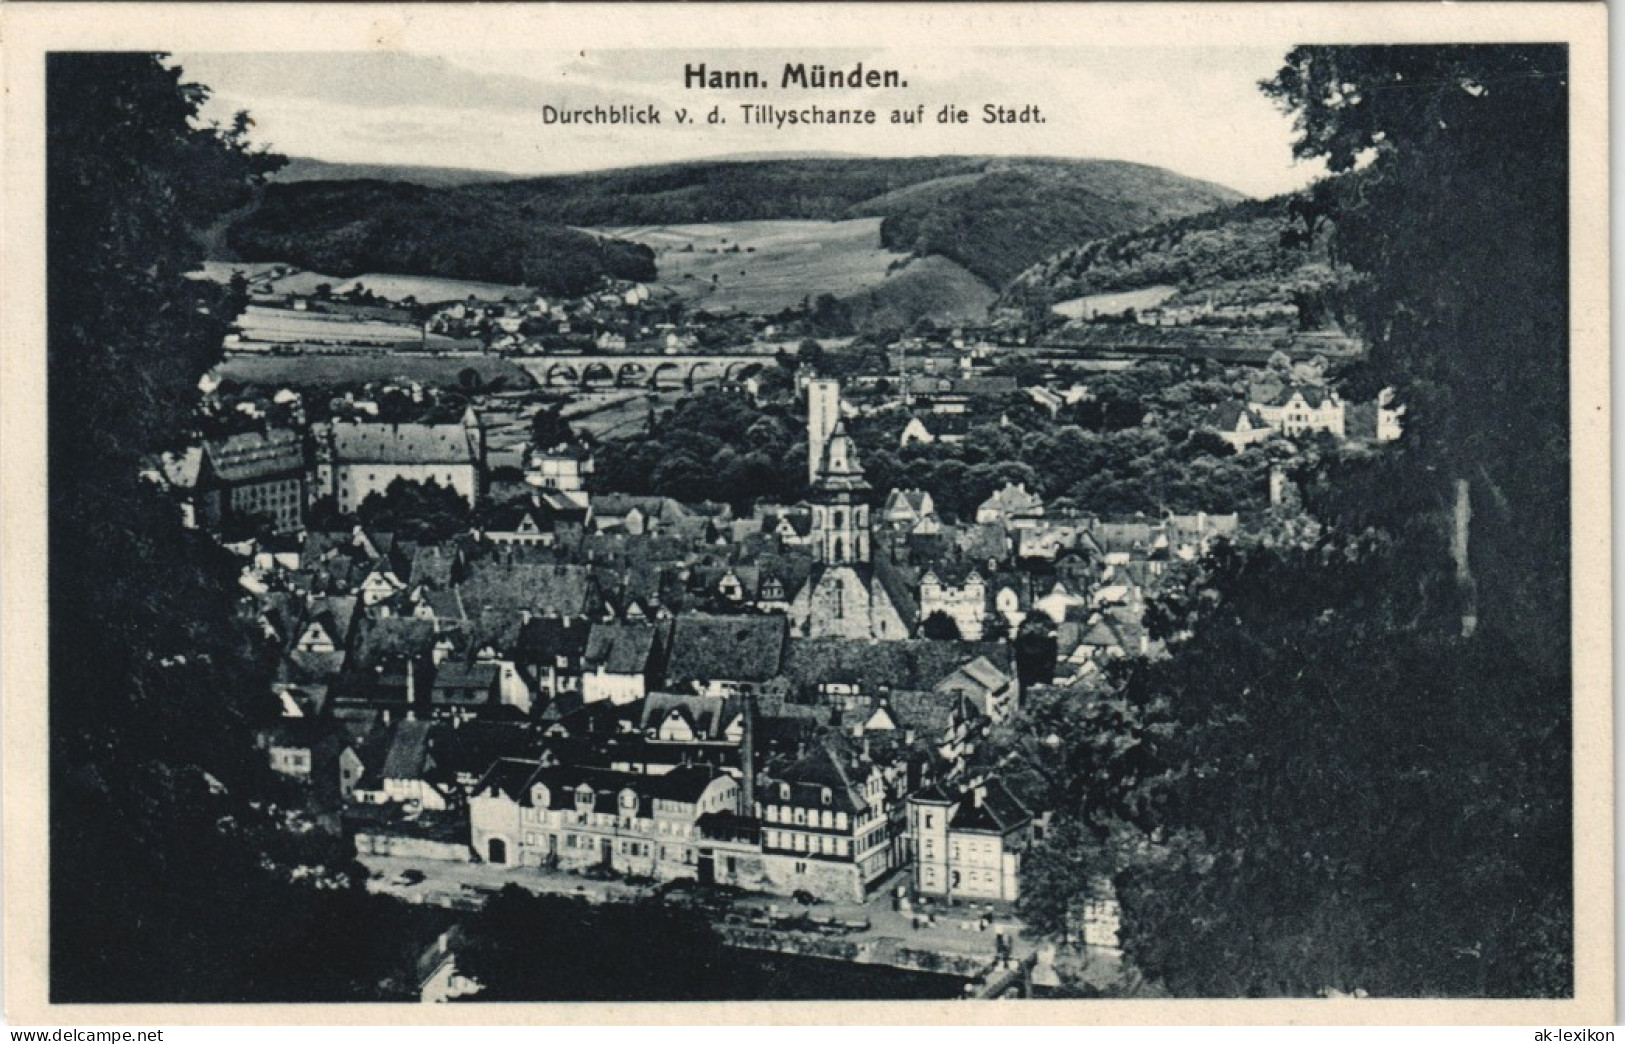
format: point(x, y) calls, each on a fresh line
point(507, 776)
point(918, 664)
point(978, 675)
point(545, 588)
point(914, 501)
point(251, 456)
point(708, 648)
point(930, 714)
point(453, 675)
point(994, 811)
point(621, 648)
point(408, 756)
point(899, 590)
point(391, 638)
point(475, 746)
point(1313, 395)
point(708, 716)
point(1013, 501)
point(821, 770)
point(544, 639)
point(1227, 416)
point(373, 443)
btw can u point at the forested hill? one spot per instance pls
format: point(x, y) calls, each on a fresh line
point(994, 216)
point(346, 228)
point(303, 168)
point(1235, 254)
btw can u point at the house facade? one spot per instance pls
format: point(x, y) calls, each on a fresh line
point(523, 814)
point(968, 841)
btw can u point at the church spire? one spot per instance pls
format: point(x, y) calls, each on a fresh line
point(840, 513)
point(841, 467)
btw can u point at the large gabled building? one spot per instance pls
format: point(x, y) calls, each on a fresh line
point(357, 459)
point(252, 475)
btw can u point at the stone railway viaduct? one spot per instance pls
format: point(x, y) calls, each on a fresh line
point(641, 371)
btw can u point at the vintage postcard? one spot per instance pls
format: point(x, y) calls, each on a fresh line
point(796, 514)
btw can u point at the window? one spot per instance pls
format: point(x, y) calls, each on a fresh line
point(825, 796)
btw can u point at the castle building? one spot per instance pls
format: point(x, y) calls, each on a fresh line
point(356, 460)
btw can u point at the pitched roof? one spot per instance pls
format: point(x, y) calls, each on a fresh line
point(475, 746)
point(408, 755)
point(899, 590)
point(708, 716)
point(392, 637)
point(979, 674)
point(988, 808)
point(917, 664)
point(455, 676)
point(726, 648)
point(254, 455)
point(546, 588)
point(1226, 416)
point(621, 648)
point(372, 443)
point(1313, 395)
point(1013, 501)
point(507, 776)
point(545, 639)
point(822, 769)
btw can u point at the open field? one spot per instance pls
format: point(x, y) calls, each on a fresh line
point(260, 323)
point(1115, 304)
point(432, 290)
point(316, 371)
point(764, 266)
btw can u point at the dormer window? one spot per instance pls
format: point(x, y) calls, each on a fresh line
point(629, 800)
point(784, 791)
point(539, 796)
point(826, 796)
point(584, 798)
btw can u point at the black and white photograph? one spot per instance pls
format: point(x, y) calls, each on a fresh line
point(1036, 513)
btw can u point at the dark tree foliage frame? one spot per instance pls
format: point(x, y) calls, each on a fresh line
point(159, 890)
point(1354, 770)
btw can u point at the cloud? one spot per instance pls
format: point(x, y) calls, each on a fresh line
point(1193, 110)
point(367, 81)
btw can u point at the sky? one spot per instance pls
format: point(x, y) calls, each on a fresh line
point(1191, 109)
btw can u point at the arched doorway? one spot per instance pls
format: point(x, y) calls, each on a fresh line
point(497, 852)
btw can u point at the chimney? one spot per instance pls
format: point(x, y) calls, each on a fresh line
point(978, 794)
point(747, 758)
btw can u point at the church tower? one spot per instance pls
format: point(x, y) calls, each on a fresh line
point(840, 514)
point(823, 410)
